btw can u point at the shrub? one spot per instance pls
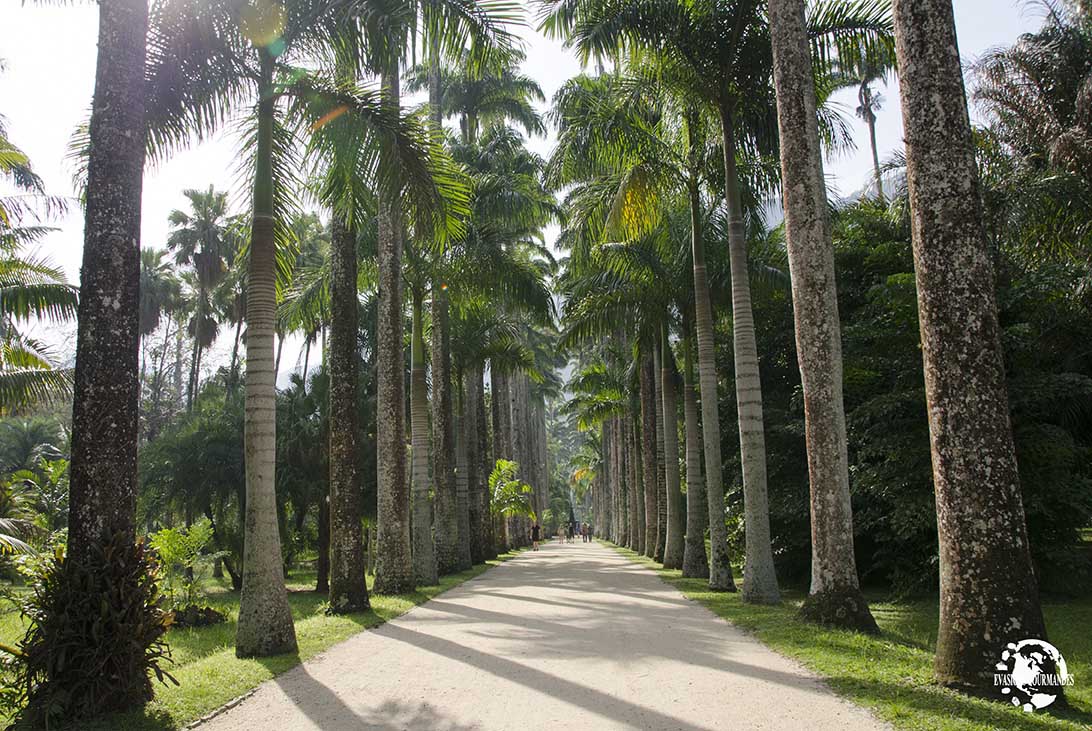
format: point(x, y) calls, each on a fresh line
point(180, 555)
point(95, 637)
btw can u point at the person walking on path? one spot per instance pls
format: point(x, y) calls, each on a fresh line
point(536, 535)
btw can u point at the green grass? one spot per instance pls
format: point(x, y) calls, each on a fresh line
point(205, 665)
point(891, 674)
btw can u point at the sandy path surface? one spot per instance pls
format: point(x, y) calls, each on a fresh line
point(571, 637)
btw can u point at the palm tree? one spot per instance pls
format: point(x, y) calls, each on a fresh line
point(199, 238)
point(719, 52)
point(988, 591)
point(106, 391)
point(224, 61)
point(835, 596)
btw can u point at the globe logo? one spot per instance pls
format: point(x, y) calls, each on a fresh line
point(1031, 674)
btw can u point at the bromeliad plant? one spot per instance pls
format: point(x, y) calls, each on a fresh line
point(83, 656)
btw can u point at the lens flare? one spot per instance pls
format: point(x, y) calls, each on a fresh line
point(262, 23)
point(329, 117)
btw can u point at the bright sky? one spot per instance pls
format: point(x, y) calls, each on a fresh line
point(46, 88)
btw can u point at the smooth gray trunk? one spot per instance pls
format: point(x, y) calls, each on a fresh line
point(759, 577)
point(675, 509)
point(695, 562)
point(265, 620)
point(648, 449)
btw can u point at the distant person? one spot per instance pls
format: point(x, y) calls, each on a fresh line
point(584, 532)
point(536, 535)
point(570, 532)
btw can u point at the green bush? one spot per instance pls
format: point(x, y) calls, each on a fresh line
point(95, 637)
point(184, 565)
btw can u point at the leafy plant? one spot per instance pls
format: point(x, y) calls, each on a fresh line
point(95, 637)
point(511, 496)
point(185, 566)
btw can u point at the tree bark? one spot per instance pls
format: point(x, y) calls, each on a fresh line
point(835, 597)
point(759, 577)
point(265, 620)
point(695, 562)
point(322, 562)
point(675, 510)
point(629, 468)
point(394, 564)
point(988, 590)
point(348, 590)
point(477, 515)
point(484, 461)
point(661, 469)
point(105, 409)
point(424, 553)
point(443, 445)
point(462, 484)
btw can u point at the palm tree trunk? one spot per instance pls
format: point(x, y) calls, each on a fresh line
point(424, 552)
point(489, 542)
point(462, 483)
point(443, 446)
point(233, 378)
point(876, 169)
point(394, 564)
point(648, 449)
point(280, 348)
point(477, 514)
point(988, 590)
point(695, 562)
point(322, 563)
point(306, 361)
point(629, 472)
point(835, 596)
point(193, 372)
point(661, 473)
point(105, 409)
point(348, 590)
point(265, 620)
point(759, 577)
point(675, 511)
point(720, 565)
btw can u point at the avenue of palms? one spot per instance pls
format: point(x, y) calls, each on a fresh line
point(798, 406)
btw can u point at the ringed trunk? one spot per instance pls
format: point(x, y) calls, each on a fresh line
point(424, 554)
point(265, 620)
point(759, 577)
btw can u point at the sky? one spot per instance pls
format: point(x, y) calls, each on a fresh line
point(47, 80)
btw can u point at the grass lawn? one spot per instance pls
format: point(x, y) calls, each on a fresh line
point(891, 674)
point(205, 665)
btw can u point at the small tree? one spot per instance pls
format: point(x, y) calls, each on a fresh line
point(185, 567)
point(511, 496)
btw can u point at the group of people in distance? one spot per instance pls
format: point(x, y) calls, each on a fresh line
point(566, 533)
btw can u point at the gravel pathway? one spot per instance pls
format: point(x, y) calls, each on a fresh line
point(571, 637)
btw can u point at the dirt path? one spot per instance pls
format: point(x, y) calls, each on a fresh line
point(572, 637)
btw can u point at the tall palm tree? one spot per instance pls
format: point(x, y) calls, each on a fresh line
point(209, 60)
point(719, 52)
point(103, 480)
point(199, 239)
point(835, 596)
point(450, 24)
point(988, 590)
